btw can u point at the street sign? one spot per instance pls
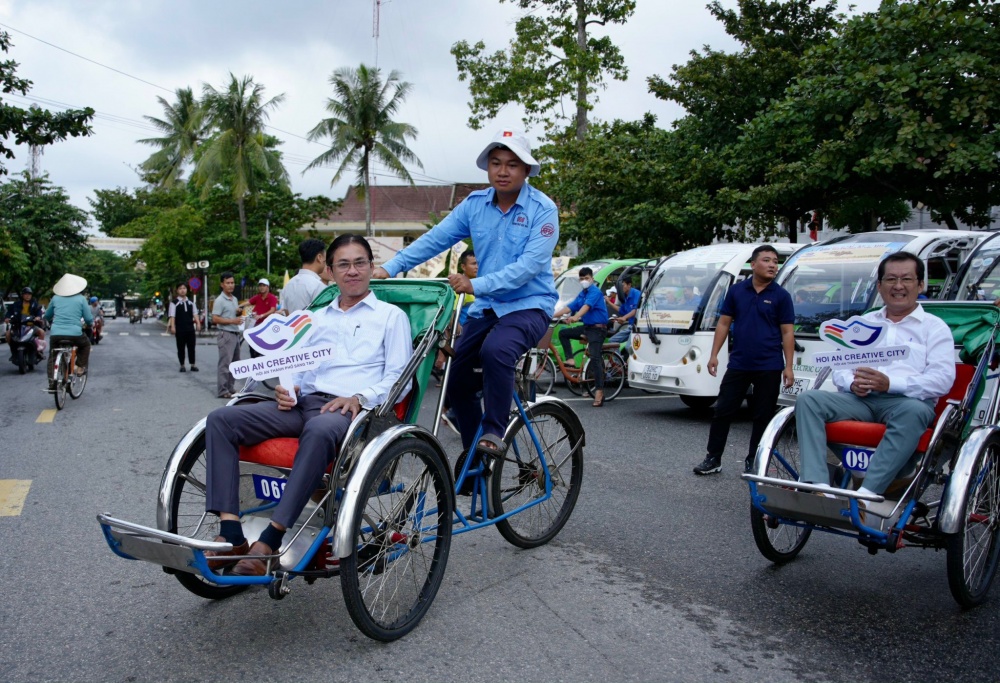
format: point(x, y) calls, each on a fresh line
point(195, 284)
point(192, 265)
point(203, 264)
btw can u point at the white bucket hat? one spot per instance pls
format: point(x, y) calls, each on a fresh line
point(516, 142)
point(264, 281)
point(69, 285)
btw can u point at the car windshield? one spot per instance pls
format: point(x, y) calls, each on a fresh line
point(834, 280)
point(679, 286)
point(982, 278)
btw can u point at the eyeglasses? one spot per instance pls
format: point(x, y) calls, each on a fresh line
point(345, 266)
point(905, 281)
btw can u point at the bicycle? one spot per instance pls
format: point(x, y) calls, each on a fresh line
point(579, 379)
point(64, 375)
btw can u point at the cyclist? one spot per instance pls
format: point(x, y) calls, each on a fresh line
point(65, 312)
point(514, 229)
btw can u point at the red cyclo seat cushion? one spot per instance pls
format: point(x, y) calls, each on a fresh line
point(869, 434)
point(280, 452)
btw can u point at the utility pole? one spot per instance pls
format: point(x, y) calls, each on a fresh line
point(267, 237)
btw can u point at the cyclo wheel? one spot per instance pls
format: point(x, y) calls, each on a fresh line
point(614, 375)
point(60, 380)
point(518, 479)
point(974, 550)
point(780, 543)
point(77, 383)
point(545, 376)
point(402, 534)
point(188, 518)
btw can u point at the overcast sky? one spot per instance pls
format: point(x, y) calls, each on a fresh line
point(292, 48)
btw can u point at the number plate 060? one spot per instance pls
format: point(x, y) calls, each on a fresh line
point(268, 488)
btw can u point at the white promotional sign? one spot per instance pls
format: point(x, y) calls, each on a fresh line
point(856, 343)
point(283, 342)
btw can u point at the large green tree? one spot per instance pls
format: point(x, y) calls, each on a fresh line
point(118, 207)
point(184, 128)
point(33, 126)
point(361, 129)
point(239, 153)
point(552, 57)
point(109, 276)
point(41, 231)
point(903, 105)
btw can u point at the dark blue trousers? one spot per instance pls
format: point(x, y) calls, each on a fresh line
point(493, 344)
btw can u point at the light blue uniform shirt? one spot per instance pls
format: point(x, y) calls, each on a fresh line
point(64, 312)
point(514, 250)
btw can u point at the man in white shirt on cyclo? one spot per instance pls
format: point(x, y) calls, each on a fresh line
point(373, 345)
point(901, 395)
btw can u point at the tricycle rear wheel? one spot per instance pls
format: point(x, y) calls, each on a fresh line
point(402, 535)
point(973, 551)
point(780, 543)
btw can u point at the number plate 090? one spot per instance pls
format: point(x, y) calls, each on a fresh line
point(268, 488)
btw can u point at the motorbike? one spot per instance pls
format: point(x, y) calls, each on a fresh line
point(95, 331)
point(24, 345)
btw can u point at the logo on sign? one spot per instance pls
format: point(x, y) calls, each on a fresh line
point(853, 334)
point(521, 219)
point(279, 333)
point(508, 134)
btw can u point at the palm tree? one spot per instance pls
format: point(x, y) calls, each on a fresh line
point(362, 130)
point(239, 153)
point(183, 125)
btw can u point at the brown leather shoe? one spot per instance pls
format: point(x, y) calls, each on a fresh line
point(254, 566)
point(215, 565)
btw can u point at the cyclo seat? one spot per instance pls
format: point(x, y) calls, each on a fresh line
point(420, 300)
point(869, 434)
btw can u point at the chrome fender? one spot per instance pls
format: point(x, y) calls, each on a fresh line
point(953, 500)
point(769, 436)
point(343, 536)
point(169, 478)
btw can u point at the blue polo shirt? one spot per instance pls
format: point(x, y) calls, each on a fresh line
point(629, 304)
point(592, 296)
point(757, 320)
point(514, 250)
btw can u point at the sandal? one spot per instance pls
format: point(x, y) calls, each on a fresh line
point(598, 402)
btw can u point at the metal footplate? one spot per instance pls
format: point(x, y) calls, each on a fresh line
point(137, 542)
point(795, 500)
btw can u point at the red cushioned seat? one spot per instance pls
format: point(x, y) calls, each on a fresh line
point(869, 434)
point(281, 452)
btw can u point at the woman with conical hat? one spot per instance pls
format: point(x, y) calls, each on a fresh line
point(67, 308)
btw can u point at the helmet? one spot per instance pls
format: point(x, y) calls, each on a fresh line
point(26, 290)
point(93, 299)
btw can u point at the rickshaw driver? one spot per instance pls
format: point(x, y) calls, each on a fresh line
point(514, 229)
point(373, 346)
point(901, 395)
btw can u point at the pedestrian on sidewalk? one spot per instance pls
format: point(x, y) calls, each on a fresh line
point(226, 317)
point(307, 283)
point(182, 322)
point(761, 314)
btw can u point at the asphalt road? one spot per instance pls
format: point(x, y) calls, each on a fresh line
point(655, 577)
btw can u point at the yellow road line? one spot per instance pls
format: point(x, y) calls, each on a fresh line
point(12, 495)
point(47, 415)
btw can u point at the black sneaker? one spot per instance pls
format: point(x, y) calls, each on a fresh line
point(182, 369)
point(709, 465)
point(748, 464)
point(194, 368)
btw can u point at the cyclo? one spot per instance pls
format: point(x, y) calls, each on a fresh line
point(384, 520)
point(948, 497)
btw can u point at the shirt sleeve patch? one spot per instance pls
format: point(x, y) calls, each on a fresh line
point(548, 230)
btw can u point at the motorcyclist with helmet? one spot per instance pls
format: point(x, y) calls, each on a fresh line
point(27, 308)
point(98, 313)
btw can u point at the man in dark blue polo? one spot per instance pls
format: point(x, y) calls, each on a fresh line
point(761, 354)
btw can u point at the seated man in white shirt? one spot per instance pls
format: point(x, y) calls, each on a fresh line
point(307, 283)
point(900, 395)
point(373, 344)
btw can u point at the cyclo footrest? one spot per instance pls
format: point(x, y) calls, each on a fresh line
point(137, 542)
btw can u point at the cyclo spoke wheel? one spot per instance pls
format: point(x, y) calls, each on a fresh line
point(614, 375)
point(76, 385)
point(188, 517)
point(780, 543)
point(974, 550)
point(402, 534)
point(519, 479)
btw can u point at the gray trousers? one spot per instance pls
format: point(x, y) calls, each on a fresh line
point(905, 419)
point(230, 427)
point(229, 351)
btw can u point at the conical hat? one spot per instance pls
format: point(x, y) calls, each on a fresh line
point(69, 285)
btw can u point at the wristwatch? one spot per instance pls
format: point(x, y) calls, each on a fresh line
point(361, 399)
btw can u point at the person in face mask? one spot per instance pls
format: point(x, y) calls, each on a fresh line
point(588, 307)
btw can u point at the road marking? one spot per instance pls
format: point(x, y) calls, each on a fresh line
point(164, 334)
point(12, 495)
point(627, 398)
point(123, 334)
point(47, 415)
point(144, 334)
